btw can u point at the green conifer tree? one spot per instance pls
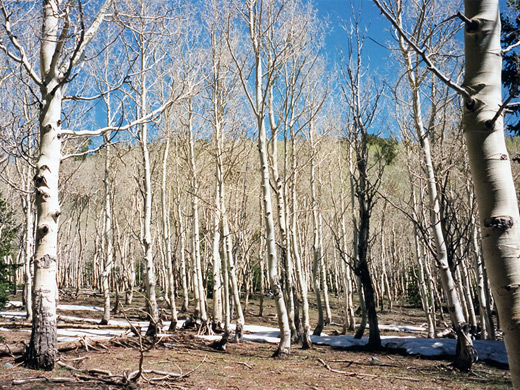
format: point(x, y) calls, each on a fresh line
point(8, 232)
point(511, 63)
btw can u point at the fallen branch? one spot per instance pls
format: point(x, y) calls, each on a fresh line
point(105, 376)
point(42, 379)
point(349, 373)
point(15, 324)
point(26, 324)
point(12, 350)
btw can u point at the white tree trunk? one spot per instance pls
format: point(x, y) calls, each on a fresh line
point(306, 336)
point(283, 319)
point(150, 279)
point(200, 295)
point(29, 243)
point(108, 236)
point(228, 248)
point(466, 353)
point(170, 282)
point(217, 260)
point(182, 250)
point(280, 194)
point(41, 352)
point(491, 170)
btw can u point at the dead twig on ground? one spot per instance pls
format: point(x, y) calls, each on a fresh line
point(42, 379)
point(106, 376)
point(349, 373)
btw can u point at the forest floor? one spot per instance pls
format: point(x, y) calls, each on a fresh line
point(247, 365)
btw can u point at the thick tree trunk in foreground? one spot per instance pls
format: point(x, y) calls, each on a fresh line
point(42, 349)
point(491, 170)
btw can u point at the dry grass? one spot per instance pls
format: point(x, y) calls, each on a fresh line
point(249, 365)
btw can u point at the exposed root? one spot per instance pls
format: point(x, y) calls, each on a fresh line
point(239, 332)
point(221, 345)
point(281, 353)
point(306, 340)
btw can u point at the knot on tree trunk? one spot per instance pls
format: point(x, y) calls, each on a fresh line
point(45, 261)
point(499, 223)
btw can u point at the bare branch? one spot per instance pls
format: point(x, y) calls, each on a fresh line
point(511, 47)
point(491, 123)
point(81, 154)
point(145, 119)
point(22, 59)
point(424, 55)
point(91, 32)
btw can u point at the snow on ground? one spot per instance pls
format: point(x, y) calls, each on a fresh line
point(404, 328)
point(487, 350)
point(62, 307)
point(14, 315)
point(494, 351)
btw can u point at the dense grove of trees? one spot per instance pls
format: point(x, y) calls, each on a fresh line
point(208, 153)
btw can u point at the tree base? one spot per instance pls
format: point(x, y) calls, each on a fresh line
point(466, 354)
point(281, 353)
point(306, 341)
point(221, 345)
point(239, 333)
point(36, 361)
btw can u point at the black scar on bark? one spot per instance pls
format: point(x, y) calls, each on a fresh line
point(45, 261)
point(500, 223)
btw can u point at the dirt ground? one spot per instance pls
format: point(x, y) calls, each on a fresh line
point(247, 365)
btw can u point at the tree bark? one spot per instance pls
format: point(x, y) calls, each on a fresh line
point(200, 296)
point(170, 281)
point(108, 237)
point(491, 169)
point(42, 350)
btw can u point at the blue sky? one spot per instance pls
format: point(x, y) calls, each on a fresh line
point(378, 28)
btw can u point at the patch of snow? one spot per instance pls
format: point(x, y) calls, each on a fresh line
point(14, 303)
point(73, 334)
point(401, 328)
point(487, 350)
point(13, 314)
point(79, 307)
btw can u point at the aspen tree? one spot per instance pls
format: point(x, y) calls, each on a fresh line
point(363, 103)
point(56, 65)
point(255, 14)
point(200, 294)
point(170, 282)
point(489, 161)
point(491, 168)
